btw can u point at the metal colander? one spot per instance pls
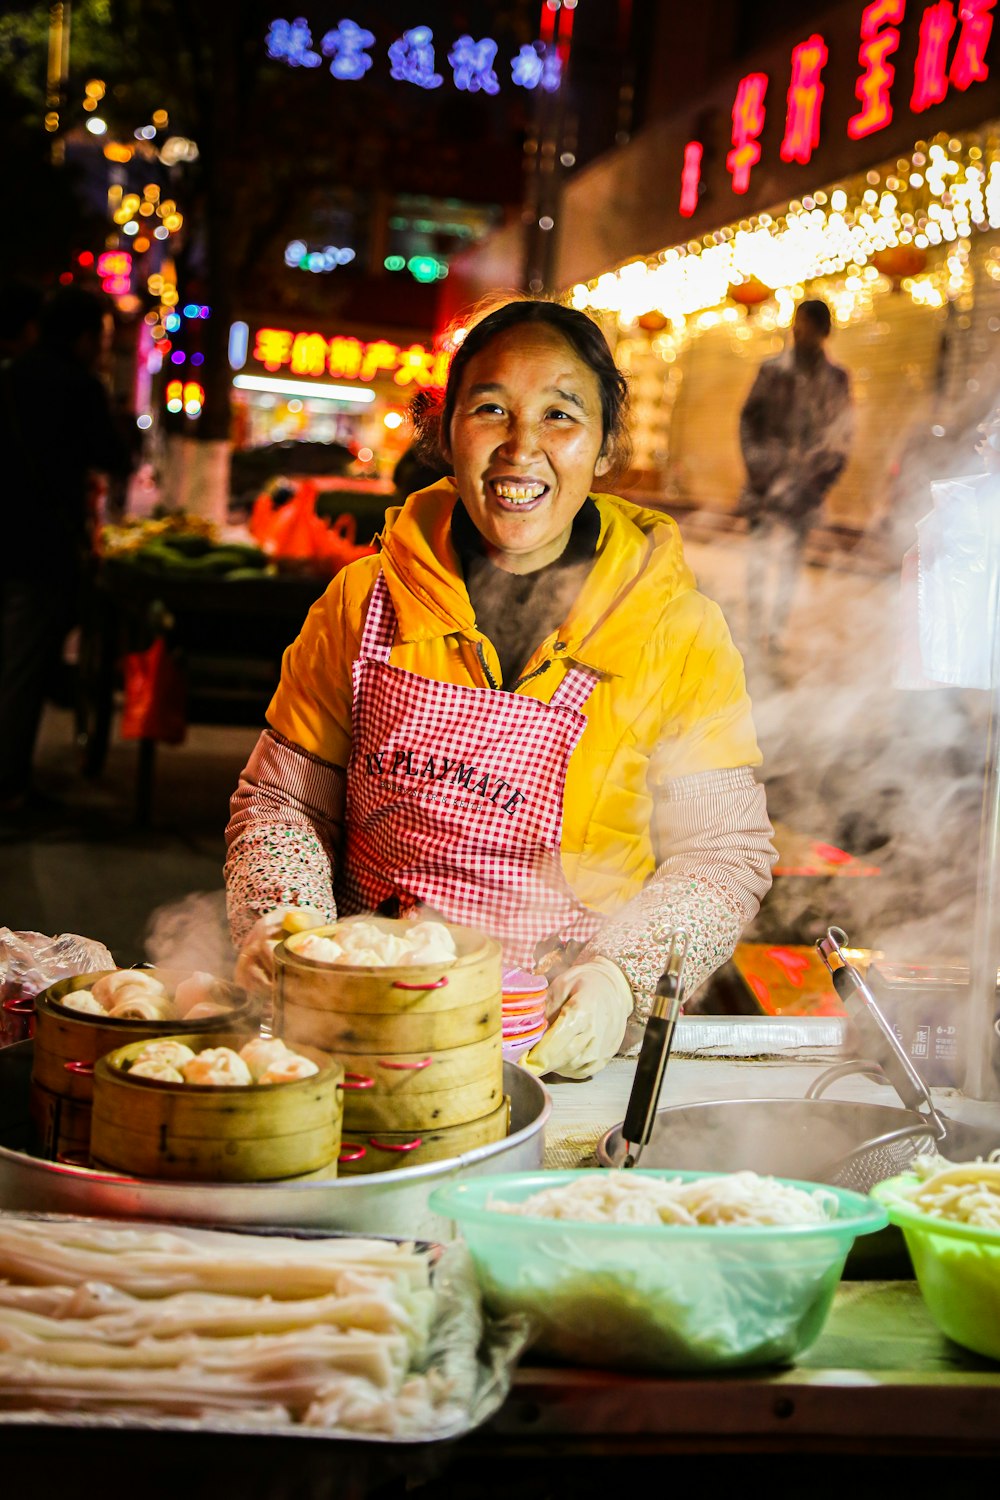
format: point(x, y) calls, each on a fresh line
point(880, 1157)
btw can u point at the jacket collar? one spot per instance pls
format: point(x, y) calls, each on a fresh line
point(639, 567)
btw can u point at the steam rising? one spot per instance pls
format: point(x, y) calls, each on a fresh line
point(893, 777)
point(192, 934)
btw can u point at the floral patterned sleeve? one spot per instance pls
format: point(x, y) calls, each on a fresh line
point(714, 833)
point(283, 834)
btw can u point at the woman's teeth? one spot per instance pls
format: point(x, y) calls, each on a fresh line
point(519, 494)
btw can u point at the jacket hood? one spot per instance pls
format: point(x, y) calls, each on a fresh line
point(639, 564)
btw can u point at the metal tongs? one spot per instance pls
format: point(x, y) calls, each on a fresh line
point(878, 1040)
point(640, 1117)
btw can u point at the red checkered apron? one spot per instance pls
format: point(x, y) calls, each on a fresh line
point(455, 798)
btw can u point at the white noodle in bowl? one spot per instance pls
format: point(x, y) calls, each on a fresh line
point(660, 1270)
point(949, 1213)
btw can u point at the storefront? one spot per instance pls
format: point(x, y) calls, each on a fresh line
point(863, 168)
point(329, 386)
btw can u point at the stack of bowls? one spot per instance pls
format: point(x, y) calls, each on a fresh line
point(523, 1012)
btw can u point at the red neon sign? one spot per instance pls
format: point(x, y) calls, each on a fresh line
point(879, 40)
point(930, 74)
point(748, 122)
point(349, 358)
point(969, 64)
point(691, 178)
point(805, 100)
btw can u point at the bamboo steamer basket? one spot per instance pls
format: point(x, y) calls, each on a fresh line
point(69, 1043)
point(348, 1009)
point(215, 1133)
point(423, 1090)
point(61, 1126)
point(364, 1152)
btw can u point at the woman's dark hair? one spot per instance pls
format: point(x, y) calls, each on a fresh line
point(586, 340)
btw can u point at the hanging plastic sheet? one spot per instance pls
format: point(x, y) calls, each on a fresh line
point(951, 588)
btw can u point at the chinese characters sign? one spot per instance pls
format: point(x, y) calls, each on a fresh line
point(952, 45)
point(349, 358)
point(413, 57)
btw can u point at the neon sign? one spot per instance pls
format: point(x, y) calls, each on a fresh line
point(879, 40)
point(347, 358)
point(969, 63)
point(805, 100)
point(930, 75)
point(748, 122)
point(691, 178)
point(412, 56)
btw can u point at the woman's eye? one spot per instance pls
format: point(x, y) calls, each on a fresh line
point(562, 416)
point(488, 408)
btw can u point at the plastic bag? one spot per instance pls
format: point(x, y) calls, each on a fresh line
point(950, 588)
point(29, 963)
point(154, 706)
point(295, 531)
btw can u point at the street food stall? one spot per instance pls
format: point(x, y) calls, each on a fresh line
point(751, 1344)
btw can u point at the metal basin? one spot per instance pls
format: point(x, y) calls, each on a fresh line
point(383, 1203)
point(802, 1138)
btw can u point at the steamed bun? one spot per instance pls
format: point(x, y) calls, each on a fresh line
point(199, 989)
point(151, 1068)
point(217, 1065)
point(372, 945)
point(260, 1053)
point(139, 1007)
point(83, 1000)
point(111, 988)
point(173, 1054)
point(288, 1068)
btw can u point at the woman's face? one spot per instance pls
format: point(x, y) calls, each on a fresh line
point(525, 444)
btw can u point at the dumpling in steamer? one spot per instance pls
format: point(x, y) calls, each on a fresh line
point(204, 1009)
point(139, 1007)
point(263, 1051)
point(217, 1065)
point(108, 989)
point(84, 1001)
point(199, 989)
point(288, 1069)
point(151, 1068)
point(172, 1054)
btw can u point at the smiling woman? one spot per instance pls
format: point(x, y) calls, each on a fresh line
point(521, 714)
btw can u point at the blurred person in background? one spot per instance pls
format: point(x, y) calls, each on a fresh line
point(521, 714)
point(20, 306)
point(56, 429)
point(796, 427)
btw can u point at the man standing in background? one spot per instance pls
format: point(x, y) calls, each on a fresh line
point(56, 426)
point(795, 435)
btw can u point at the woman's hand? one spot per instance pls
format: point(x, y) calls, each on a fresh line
point(594, 1002)
point(255, 964)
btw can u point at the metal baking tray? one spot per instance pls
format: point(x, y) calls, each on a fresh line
point(392, 1203)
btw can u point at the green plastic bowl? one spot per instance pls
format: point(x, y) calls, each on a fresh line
point(656, 1297)
point(957, 1267)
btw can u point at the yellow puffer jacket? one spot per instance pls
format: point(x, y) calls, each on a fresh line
point(671, 701)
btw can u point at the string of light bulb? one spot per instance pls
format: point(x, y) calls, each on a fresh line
point(939, 196)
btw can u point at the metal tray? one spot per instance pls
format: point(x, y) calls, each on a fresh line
point(382, 1203)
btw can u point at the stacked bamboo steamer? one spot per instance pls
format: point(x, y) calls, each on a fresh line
point(421, 1046)
point(69, 1043)
point(215, 1133)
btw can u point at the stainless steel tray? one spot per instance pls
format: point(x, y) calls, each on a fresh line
point(382, 1203)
